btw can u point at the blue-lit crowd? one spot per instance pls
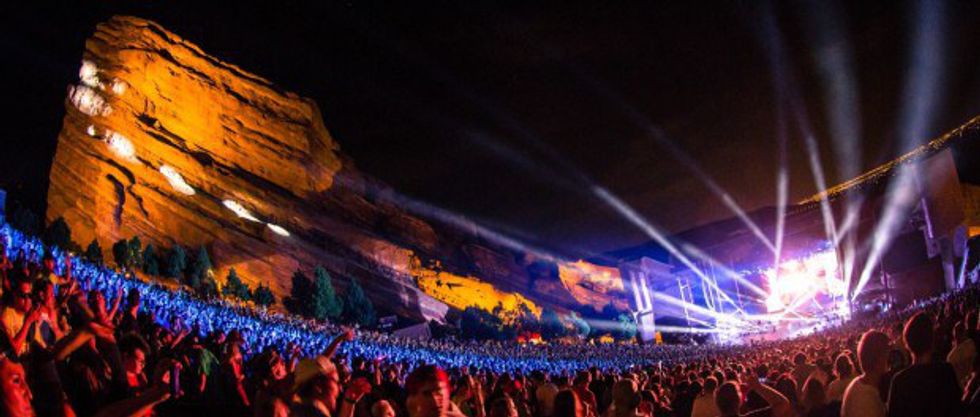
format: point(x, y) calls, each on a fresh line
point(85, 340)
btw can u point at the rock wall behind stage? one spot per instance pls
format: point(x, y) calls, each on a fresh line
point(165, 142)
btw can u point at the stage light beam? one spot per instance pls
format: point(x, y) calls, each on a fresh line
point(627, 212)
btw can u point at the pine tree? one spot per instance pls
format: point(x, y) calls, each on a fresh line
point(579, 324)
point(207, 288)
point(58, 234)
point(299, 294)
point(476, 323)
point(234, 287)
point(199, 270)
point(121, 253)
point(135, 253)
point(359, 308)
point(151, 266)
point(609, 312)
point(325, 304)
point(551, 325)
point(194, 281)
point(24, 220)
point(626, 328)
point(176, 263)
point(93, 253)
point(263, 296)
point(232, 282)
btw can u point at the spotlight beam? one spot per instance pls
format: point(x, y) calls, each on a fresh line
point(640, 120)
point(835, 67)
point(659, 237)
point(698, 253)
point(431, 212)
point(666, 299)
point(899, 200)
point(726, 198)
point(786, 90)
point(921, 96)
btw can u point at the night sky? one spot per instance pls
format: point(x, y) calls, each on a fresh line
point(507, 115)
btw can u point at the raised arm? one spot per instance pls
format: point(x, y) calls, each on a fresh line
point(355, 390)
point(346, 336)
point(780, 405)
point(156, 394)
point(70, 343)
point(115, 305)
point(476, 388)
point(68, 268)
point(136, 406)
point(20, 338)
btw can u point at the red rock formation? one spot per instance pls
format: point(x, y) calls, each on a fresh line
point(165, 142)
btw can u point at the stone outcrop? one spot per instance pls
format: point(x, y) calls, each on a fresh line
point(165, 142)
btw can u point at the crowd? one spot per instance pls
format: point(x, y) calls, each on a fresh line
point(80, 339)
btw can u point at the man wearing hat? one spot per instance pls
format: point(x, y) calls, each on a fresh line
point(316, 383)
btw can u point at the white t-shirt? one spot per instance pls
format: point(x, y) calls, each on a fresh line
point(705, 406)
point(835, 391)
point(545, 395)
point(961, 357)
point(862, 400)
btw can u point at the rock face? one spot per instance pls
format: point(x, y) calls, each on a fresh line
point(164, 142)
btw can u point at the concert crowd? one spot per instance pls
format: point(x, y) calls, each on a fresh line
point(84, 340)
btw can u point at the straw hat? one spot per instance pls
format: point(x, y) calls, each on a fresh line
point(307, 369)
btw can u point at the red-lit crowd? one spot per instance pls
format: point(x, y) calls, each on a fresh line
point(69, 352)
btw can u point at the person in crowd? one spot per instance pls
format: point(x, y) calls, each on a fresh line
point(19, 317)
point(927, 388)
point(382, 408)
point(802, 368)
point(468, 397)
point(52, 325)
point(815, 402)
point(15, 391)
point(317, 385)
point(48, 273)
point(134, 352)
point(567, 404)
point(844, 373)
point(687, 391)
point(729, 399)
point(503, 406)
point(626, 400)
point(157, 353)
point(545, 395)
point(428, 393)
point(861, 399)
point(971, 394)
point(963, 353)
point(585, 395)
point(704, 404)
point(786, 385)
point(898, 360)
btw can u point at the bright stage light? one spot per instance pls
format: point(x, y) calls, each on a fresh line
point(798, 280)
point(239, 210)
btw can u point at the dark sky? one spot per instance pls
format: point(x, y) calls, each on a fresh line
point(506, 115)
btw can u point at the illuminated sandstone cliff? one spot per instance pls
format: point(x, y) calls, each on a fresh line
point(165, 142)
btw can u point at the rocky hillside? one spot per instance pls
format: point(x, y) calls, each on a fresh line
point(165, 142)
